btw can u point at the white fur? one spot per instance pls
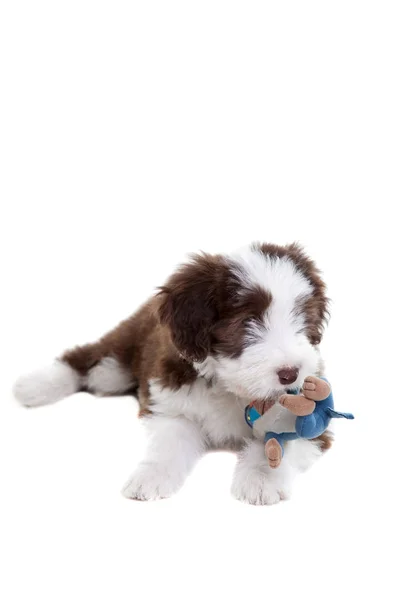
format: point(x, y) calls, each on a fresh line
point(108, 377)
point(47, 385)
point(278, 276)
point(175, 446)
point(256, 483)
point(254, 372)
point(207, 368)
point(302, 454)
point(218, 414)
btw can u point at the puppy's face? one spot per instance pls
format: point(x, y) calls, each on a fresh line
point(254, 319)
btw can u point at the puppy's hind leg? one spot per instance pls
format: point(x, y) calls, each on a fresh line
point(47, 385)
point(98, 368)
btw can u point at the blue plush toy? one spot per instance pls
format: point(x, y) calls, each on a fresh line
point(313, 406)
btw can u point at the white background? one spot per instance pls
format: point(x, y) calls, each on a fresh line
point(131, 134)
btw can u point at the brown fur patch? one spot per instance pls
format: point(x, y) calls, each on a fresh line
point(144, 347)
point(190, 304)
point(231, 331)
point(325, 440)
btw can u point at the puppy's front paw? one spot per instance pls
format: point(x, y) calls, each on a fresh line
point(151, 481)
point(315, 388)
point(257, 488)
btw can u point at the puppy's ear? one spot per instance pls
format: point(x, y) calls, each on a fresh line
point(316, 307)
point(316, 315)
point(189, 305)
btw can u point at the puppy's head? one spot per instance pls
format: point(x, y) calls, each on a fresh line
point(253, 319)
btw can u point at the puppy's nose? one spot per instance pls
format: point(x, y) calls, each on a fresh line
point(287, 375)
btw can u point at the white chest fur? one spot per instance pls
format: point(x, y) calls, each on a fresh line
point(220, 414)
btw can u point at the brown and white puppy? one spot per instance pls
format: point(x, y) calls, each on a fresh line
point(223, 331)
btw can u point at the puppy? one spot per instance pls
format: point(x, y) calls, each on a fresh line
point(223, 331)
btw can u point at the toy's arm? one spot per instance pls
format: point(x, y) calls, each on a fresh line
point(298, 404)
point(314, 390)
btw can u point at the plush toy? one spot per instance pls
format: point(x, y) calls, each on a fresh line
point(313, 407)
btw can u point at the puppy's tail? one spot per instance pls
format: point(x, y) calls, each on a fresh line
point(103, 368)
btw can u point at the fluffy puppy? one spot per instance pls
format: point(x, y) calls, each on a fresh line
point(223, 331)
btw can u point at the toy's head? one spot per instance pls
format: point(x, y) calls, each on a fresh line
point(252, 320)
